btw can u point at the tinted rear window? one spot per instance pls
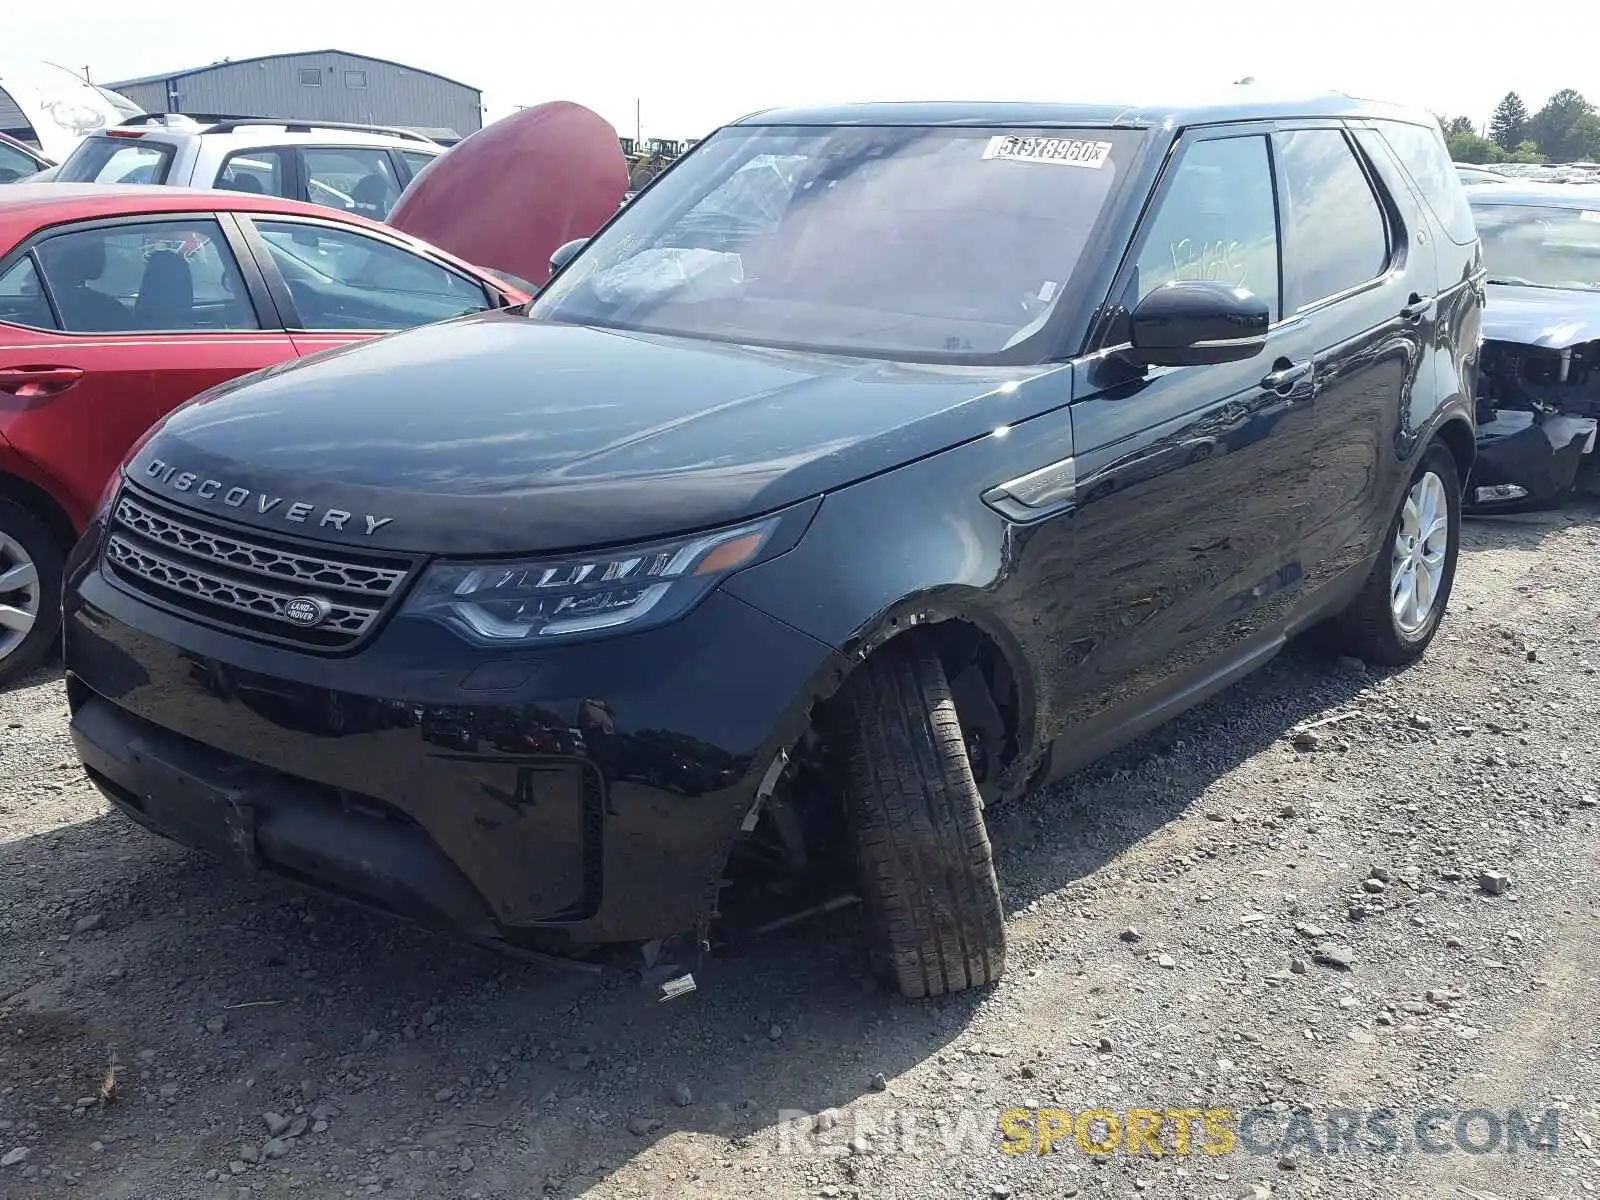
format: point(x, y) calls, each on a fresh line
point(1423, 154)
point(116, 160)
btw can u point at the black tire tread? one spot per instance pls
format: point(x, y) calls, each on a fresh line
point(927, 869)
point(48, 557)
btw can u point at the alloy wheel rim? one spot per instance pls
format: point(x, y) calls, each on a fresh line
point(20, 594)
point(1421, 545)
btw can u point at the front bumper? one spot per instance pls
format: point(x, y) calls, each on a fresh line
point(1527, 461)
point(552, 799)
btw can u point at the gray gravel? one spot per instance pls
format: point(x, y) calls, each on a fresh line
point(1329, 889)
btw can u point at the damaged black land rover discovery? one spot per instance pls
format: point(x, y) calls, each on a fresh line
point(874, 465)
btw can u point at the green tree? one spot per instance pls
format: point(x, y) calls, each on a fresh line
point(1508, 126)
point(1566, 128)
point(1470, 148)
point(1526, 152)
point(1458, 125)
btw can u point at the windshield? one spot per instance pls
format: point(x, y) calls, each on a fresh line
point(116, 160)
point(888, 242)
point(1541, 246)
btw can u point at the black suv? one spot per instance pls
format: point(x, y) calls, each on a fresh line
point(874, 465)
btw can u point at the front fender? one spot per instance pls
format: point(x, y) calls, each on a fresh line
point(918, 546)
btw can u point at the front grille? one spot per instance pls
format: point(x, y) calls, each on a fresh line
point(231, 552)
point(246, 582)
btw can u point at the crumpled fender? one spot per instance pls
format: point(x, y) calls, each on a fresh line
point(1539, 453)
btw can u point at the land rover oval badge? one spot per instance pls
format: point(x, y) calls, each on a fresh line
point(306, 611)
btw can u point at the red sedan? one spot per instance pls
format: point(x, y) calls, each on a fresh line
point(117, 304)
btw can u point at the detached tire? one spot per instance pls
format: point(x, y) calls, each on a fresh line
point(932, 904)
point(1377, 627)
point(30, 585)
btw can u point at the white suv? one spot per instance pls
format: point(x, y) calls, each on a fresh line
point(358, 168)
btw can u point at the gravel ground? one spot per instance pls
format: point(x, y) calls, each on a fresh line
point(1217, 918)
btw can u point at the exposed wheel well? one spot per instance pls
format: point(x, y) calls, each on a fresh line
point(987, 693)
point(41, 504)
point(800, 824)
point(991, 702)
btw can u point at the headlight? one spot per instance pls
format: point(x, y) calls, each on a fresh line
point(563, 596)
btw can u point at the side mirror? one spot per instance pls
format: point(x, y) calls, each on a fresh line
point(565, 253)
point(1189, 324)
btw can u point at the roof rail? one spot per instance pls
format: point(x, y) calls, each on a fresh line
point(227, 124)
point(166, 118)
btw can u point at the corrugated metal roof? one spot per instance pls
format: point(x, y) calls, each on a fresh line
point(234, 62)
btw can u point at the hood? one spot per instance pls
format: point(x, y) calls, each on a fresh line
point(1550, 318)
point(498, 434)
point(58, 108)
point(506, 196)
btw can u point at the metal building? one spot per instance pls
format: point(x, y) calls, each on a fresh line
point(325, 85)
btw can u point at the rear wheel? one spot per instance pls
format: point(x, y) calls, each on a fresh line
point(30, 590)
point(931, 900)
point(1397, 613)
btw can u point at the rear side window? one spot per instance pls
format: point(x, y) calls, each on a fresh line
point(257, 172)
point(1423, 154)
point(116, 160)
point(359, 180)
point(1217, 222)
point(22, 300)
point(169, 276)
point(342, 280)
point(416, 160)
point(1335, 236)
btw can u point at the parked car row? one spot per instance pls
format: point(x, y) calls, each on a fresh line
point(355, 168)
point(1577, 172)
point(879, 462)
point(1469, 174)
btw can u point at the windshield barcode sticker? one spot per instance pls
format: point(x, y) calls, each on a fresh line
point(1065, 152)
point(1589, 214)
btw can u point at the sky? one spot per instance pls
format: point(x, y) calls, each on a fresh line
point(694, 64)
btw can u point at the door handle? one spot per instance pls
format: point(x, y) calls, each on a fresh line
point(28, 382)
point(1284, 375)
point(1417, 307)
